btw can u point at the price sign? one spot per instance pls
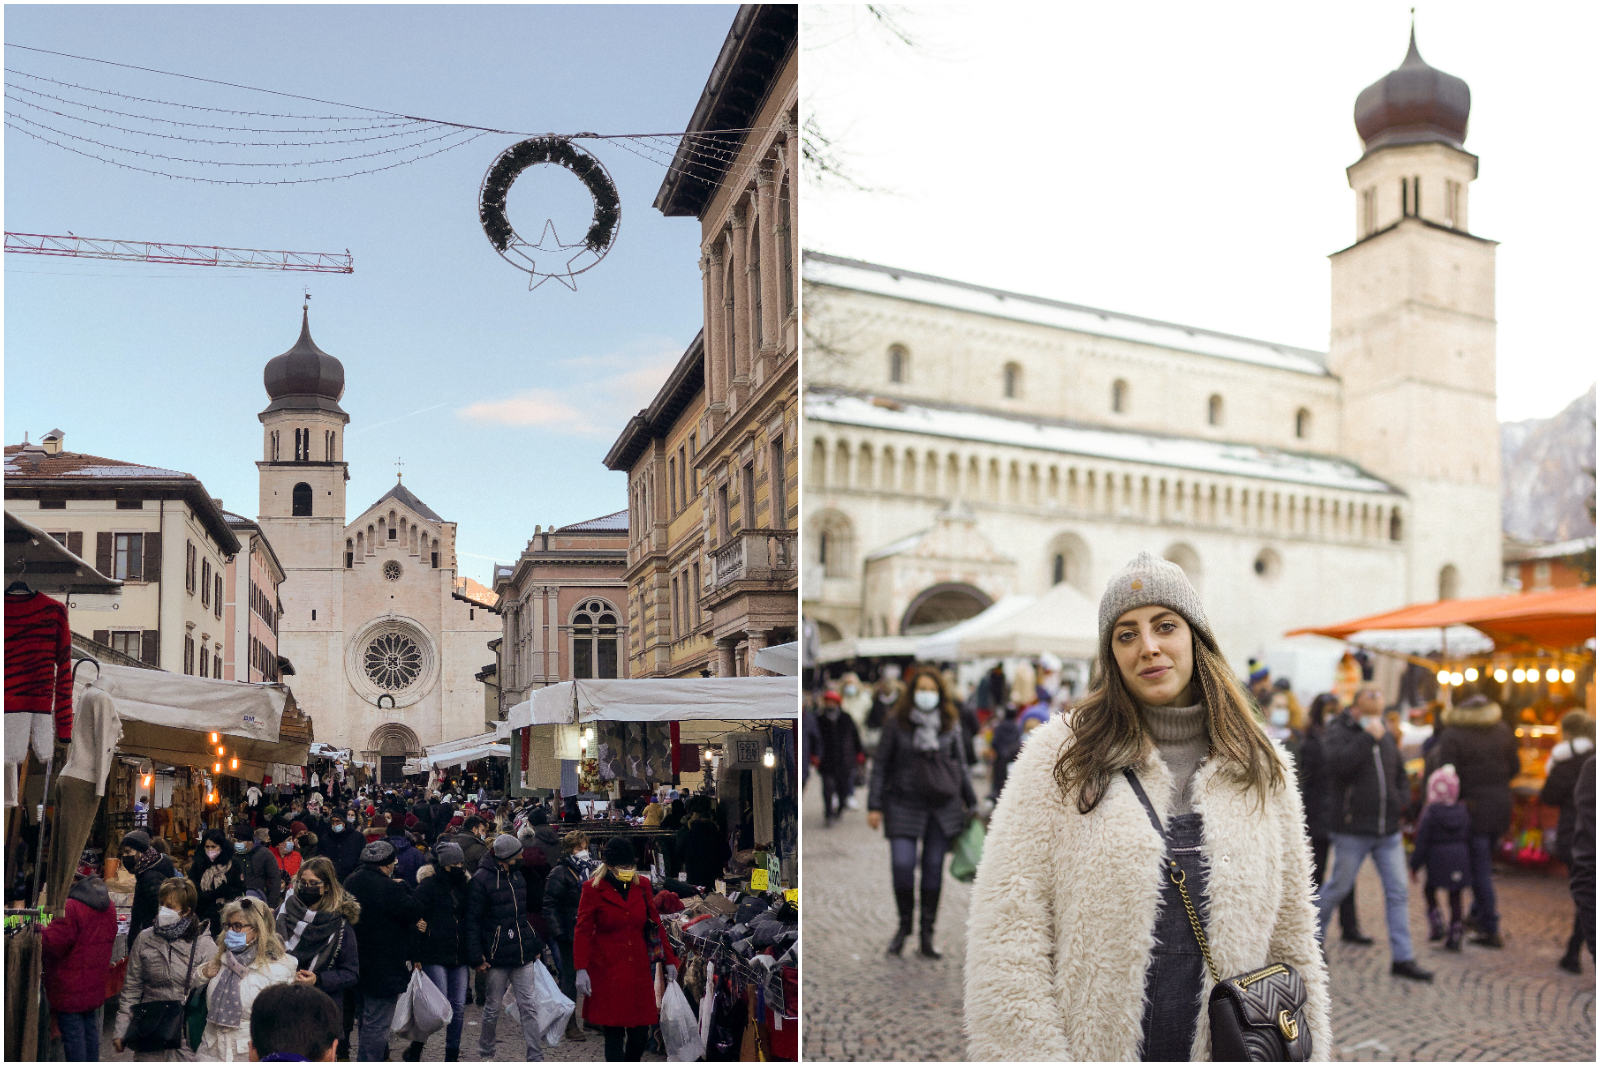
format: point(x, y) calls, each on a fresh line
point(792, 895)
point(758, 880)
point(744, 750)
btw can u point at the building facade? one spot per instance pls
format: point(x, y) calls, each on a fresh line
point(964, 443)
point(252, 607)
point(742, 187)
point(385, 654)
point(156, 530)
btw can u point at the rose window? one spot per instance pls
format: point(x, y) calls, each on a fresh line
point(393, 661)
point(391, 571)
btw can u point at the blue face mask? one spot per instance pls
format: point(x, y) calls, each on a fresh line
point(241, 846)
point(235, 940)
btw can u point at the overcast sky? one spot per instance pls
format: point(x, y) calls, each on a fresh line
point(1186, 161)
point(501, 402)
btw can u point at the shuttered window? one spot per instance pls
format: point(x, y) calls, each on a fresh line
point(150, 647)
point(216, 599)
point(205, 583)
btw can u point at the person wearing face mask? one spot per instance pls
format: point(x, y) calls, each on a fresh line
point(562, 891)
point(250, 957)
point(317, 926)
point(441, 944)
point(855, 699)
point(342, 845)
point(165, 963)
point(77, 953)
point(841, 752)
point(922, 796)
point(262, 874)
point(150, 868)
point(1079, 946)
point(284, 850)
point(502, 943)
point(616, 943)
point(218, 875)
point(1370, 790)
point(389, 915)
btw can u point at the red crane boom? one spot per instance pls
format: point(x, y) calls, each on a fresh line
point(182, 254)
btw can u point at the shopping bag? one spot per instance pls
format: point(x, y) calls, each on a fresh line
point(551, 1007)
point(968, 852)
point(402, 1008)
point(430, 1007)
point(680, 1030)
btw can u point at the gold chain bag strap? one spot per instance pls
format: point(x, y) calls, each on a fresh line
point(1258, 1016)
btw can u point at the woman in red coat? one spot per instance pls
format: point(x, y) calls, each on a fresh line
point(618, 939)
point(77, 954)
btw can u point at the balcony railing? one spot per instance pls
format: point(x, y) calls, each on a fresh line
point(755, 555)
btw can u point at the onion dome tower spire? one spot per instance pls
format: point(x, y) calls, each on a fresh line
point(1413, 104)
point(305, 376)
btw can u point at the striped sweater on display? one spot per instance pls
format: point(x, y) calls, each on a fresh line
point(39, 660)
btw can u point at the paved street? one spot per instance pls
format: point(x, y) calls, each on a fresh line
point(1512, 1004)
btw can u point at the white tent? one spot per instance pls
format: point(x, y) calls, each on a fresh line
point(781, 659)
point(464, 750)
point(1063, 621)
point(945, 645)
point(865, 648)
point(660, 699)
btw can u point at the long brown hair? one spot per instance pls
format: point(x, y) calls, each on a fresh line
point(332, 891)
point(1108, 736)
point(947, 705)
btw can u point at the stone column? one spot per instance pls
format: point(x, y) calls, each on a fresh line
point(724, 660)
point(716, 339)
point(739, 300)
point(771, 303)
point(757, 639)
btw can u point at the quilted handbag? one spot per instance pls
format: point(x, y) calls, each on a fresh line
point(1258, 1016)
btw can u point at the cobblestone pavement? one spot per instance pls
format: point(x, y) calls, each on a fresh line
point(1510, 1004)
point(508, 1045)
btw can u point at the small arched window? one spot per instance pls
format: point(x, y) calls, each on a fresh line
point(1058, 569)
point(1214, 410)
point(302, 501)
point(1302, 424)
point(594, 640)
point(1395, 526)
point(1013, 381)
point(899, 364)
point(1119, 396)
point(1449, 582)
point(349, 553)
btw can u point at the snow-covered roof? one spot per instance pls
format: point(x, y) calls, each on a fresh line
point(963, 296)
point(1219, 457)
point(896, 547)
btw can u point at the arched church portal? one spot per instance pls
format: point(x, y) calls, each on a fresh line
point(942, 606)
point(392, 743)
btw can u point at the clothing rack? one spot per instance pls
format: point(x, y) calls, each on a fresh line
point(742, 972)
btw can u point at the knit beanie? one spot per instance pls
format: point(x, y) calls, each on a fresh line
point(449, 854)
point(378, 853)
point(619, 852)
point(1443, 785)
point(138, 840)
point(1149, 581)
point(242, 831)
point(506, 846)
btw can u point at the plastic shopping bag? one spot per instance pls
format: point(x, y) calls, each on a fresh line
point(551, 1007)
point(968, 852)
point(421, 1010)
point(680, 1030)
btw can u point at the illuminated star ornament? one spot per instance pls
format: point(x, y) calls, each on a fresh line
point(549, 257)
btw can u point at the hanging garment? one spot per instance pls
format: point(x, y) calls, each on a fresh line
point(569, 777)
point(96, 728)
point(252, 796)
point(38, 662)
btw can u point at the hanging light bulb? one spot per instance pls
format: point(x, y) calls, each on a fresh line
point(1472, 673)
point(1519, 675)
point(1569, 675)
point(1456, 678)
point(234, 765)
point(768, 759)
point(1444, 677)
point(147, 773)
point(1552, 675)
point(214, 738)
point(217, 768)
point(706, 755)
point(1500, 675)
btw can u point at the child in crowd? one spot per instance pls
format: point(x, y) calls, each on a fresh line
point(1441, 844)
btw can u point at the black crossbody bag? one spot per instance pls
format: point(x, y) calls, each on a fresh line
point(158, 1025)
point(1258, 1016)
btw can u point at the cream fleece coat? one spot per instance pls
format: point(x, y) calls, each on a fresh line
point(1063, 913)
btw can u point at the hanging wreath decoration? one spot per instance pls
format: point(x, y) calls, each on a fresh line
point(548, 257)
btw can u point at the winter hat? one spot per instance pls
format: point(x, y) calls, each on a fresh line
point(395, 829)
point(619, 852)
point(138, 840)
point(242, 831)
point(297, 828)
point(1258, 672)
point(1443, 785)
point(1148, 581)
point(538, 817)
point(830, 696)
point(449, 854)
point(455, 823)
point(506, 846)
point(378, 853)
point(277, 834)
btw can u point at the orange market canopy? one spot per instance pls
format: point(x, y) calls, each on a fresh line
point(1561, 618)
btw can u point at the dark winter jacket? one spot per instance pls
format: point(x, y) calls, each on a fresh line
point(343, 850)
point(389, 914)
point(562, 890)
point(263, 874)
point(147, 896)
point(408, 860)
point(1315, 795)
point(440, 813)
point(498, 930)
point(1482, 748)
point(841, 743)
point(472, 849)
point(424, 814)
point(896, 793)
point(77, 949)
point(703, 852)
point(1582, 869)
point(547, 840)
point(338, 967)
point(444, 908)
point(1561, 778)
point(1366, 780)
point(535, 872)
point(1441, 845)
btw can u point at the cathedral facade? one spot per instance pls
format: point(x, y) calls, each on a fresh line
point(963, 443)
point(384, 637)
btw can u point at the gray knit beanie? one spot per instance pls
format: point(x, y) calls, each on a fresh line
point(1147, 581)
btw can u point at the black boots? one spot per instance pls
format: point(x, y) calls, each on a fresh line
point(905, 901)
point(413, 1052)
point(930, 914)
point(452, 1054)
point(1435, 924)
point(1453, 941)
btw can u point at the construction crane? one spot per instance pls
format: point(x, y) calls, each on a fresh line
point(181, 254)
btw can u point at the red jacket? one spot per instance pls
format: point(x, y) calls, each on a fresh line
point(609, 942)
point(77, 949)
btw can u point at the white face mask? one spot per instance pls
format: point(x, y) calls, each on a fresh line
point(925, 700)
point(850, 690)
point(1280, 717)
point(166, 916)
point(581, 856)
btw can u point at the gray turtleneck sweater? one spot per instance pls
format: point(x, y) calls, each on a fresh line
point(1180, 735)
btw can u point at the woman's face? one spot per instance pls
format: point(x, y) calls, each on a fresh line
point(926, 683)
point(1154, 650)
point(172, 901)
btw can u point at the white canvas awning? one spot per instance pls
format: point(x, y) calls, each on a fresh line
point(1063, 621)
point(660, 699)
point(945, 645)
point(464, 750)
point(781, 659)
point(866, 648)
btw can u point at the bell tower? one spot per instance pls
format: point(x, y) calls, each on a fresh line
point(1413, 330)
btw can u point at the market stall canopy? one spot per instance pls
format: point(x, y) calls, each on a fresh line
point(660, 699)
point(1063, 622)
point(45, 565)
point(945, 645)
point(464, 750)
point(170, 717)
point(781, 659)
point(866, 648)
point(1562, 618)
